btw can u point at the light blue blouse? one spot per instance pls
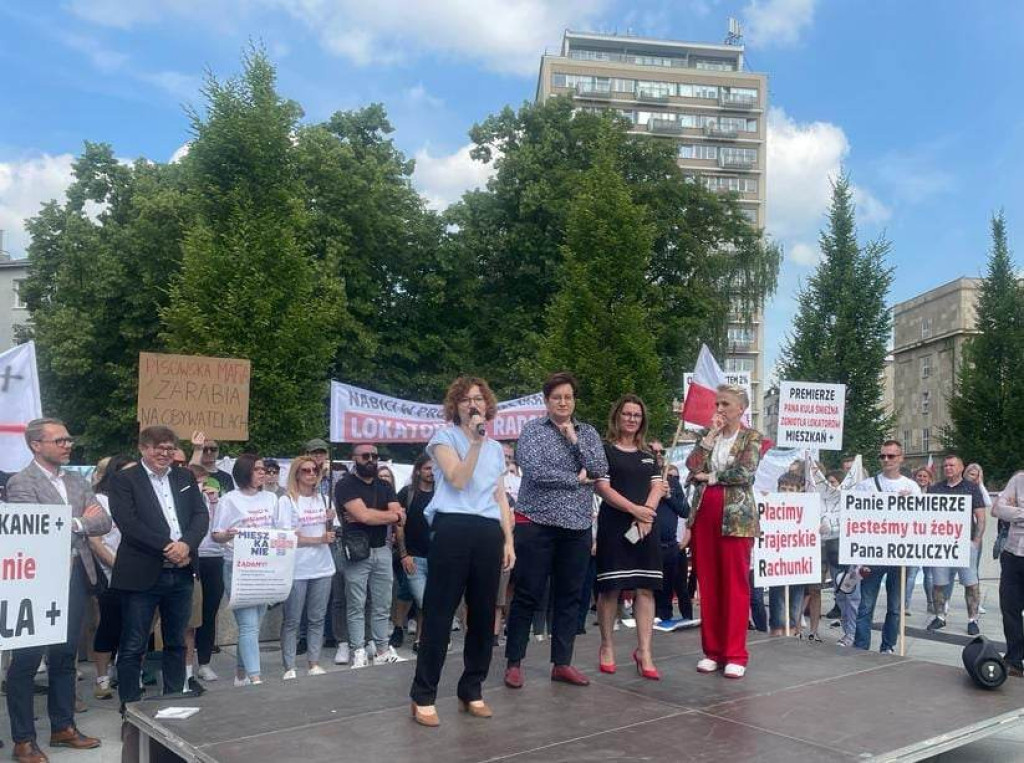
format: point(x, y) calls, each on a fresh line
point(477, 497)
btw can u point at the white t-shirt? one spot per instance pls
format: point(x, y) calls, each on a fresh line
point(236, 509)
point(899, 485)
point(209, 547)
point(308, 518)
point(113, 538)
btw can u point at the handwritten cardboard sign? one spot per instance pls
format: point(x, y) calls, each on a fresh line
point(191, 392)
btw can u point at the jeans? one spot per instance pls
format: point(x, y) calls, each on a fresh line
point(60, 666)
point(465, 560)
point(545, 552)
point(849, 604)
point(248, 620)
point(777, 602)
point(211, 578)
point(172, 595)
point(370, 577)
point(911, 579)
point(309, 596)
point(757, 612)
point(418, 580)
point(1011, 602)
point(869, 587)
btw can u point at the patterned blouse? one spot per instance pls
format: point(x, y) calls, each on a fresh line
point(739, 517)
point(551, 493)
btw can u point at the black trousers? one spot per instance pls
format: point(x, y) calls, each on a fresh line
point(675, 573)
point(108, 631)
point(211, 580)
point(60, 665)
point(465, 560)
point(543, 551)
point(1011, 602)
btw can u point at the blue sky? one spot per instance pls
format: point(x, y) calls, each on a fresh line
point(917, 100)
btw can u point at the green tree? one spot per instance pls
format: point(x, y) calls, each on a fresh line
point(99, 269)
point(703, 250)
point(599, 324)
point(248, 287)
point(987, 404)
point(842, 326)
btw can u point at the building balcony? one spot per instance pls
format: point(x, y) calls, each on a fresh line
point(592, 94)
point(730, 101)
point(714, 131)
point(735, 163)
point(664, 127)
point(652, 97)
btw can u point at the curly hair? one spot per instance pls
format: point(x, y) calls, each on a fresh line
point(459, 389)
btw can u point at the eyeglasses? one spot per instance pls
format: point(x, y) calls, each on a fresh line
point(562, 398)
point(167, 449)
point(211, 448)
point(62, 442)
point(637, 416)
point(367, 457)
point(307, 470)
point(888, 456)
point(476, 400)
point(658, 451)
point(272, 471)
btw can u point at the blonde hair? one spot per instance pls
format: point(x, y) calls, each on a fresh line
point(614, 431)
point(736, 391)
point(293, 475)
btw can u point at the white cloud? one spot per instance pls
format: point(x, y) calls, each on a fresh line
point(180, 153)
point(124, 14)
point(443, 179)
point(778, 23)
point(25, 185)
point(803, 159)
point(418, 96)
point(177, 84)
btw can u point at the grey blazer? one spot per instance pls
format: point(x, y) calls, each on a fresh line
point(30, 485)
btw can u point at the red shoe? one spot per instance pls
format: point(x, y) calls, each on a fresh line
point(604, 667)
point(568, 674)
point(650, 675)
point(514, 677)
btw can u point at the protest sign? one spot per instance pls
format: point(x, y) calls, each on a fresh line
point(359, 415)
point(35, 570)
point(904, 530)
point(263, 567)
point(192, 392)
point(739, 378)
point(19, 404)
point(811, 415)
point(788, 551)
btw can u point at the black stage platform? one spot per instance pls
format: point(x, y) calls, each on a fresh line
point(798, 702)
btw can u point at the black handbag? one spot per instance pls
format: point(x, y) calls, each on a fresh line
point(355, 542)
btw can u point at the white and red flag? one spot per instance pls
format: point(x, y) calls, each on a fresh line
point(19, 404)
point(699, 403)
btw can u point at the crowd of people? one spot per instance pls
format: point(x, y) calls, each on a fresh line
point(504, 542)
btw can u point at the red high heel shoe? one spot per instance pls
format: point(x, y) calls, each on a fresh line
point(605, 667)
point(650, 675)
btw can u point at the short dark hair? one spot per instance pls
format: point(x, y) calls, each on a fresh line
point(837, 474)
point(157, 434)
point(897, 443)
point(789, 479)
point(559, 378)
point(242, 471)
point(948, 456)
point(114, 465)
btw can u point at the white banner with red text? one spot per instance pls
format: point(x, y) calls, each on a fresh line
point(360, 415)
point(263, 567)
point(35, 573)
point(788, 550)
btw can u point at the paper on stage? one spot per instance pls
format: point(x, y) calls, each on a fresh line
point(175, 713)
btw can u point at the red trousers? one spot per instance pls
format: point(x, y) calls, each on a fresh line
point(722, 564)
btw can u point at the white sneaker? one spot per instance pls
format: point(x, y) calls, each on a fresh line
point(732, 670)
point(240, 682)
point(206, 673)
point(359, 659)
point(255, 681)
point(707, 665)
point(389, 657)
point(371, 649)
point(410, 628)
point(540, 637)
point(982, 610)
point(341, 656)
point(290, 675)
point(629, 622)
point(316, 670)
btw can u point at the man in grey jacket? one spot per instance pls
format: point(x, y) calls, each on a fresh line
point(44, 481)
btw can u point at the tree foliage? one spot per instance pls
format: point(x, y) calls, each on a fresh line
point(987, 404)
point(841, 330)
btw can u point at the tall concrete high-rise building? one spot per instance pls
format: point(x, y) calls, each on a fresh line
point(698, 96)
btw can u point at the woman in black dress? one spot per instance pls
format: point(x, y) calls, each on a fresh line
point(628, 556)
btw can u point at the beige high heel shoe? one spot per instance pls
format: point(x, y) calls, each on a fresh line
point(477, 708)
point(425, 715)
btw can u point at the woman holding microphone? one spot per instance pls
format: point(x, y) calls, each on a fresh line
point(471, 543)
point(724, 523)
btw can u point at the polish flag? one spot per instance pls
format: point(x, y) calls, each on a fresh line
point(19, 404)
point(699, 404)
point(930, 466)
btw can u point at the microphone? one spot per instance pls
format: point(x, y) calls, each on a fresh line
point(481, 428)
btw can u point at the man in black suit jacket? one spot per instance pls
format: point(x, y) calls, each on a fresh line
point(162, 518)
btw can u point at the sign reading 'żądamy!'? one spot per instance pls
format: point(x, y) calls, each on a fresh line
point(811, 415)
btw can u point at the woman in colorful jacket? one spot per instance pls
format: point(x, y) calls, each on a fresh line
point(724, 523)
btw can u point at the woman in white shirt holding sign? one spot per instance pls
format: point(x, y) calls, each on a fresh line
point(304, 509)
point(248, 507)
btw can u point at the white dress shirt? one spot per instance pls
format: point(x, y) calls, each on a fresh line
point(162, 490)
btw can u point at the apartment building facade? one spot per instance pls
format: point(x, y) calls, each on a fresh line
point(698, 96)
point(929, 333)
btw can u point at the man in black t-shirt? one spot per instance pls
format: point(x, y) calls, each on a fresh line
point(367, 505)
point(955, 484)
